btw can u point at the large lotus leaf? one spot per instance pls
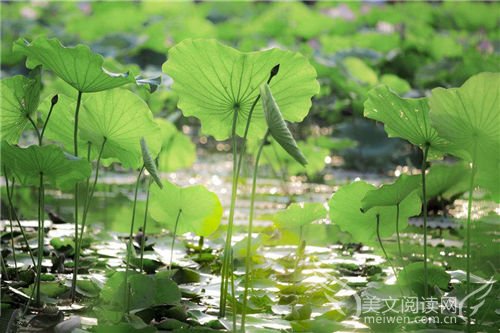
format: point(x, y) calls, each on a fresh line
point(20, 98)
point(393, 194)
point(58, 168)
point(447, 180)
point(199, 210)
point(123, 119)
point(345, 211)
point(404, 118)
point(78, 66)
point(177, 149)
point(469, 118)
point(214, 81)
point(299, 214)
point(277, 125)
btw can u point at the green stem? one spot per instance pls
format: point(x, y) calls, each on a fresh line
point(173, 238)
point(10, 194)
point(233, 294)
point(424, 198)
point(398, 236)
point(12, 242)
point(36, 130)
point(382, 247)
point(249, 234)
point(88, 200)
point(52, 104)
point(75, 151)
point(469, 215)
point(130, 245)
point(144, 224)
point(40, 237)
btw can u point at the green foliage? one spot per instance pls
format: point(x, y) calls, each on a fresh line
point(299, 214)
point(447, 180)
point(149, 163)
point(20, 98)
point(78, 65)
point(413, 277)
point(404, 118)
point(199, 210)
point(58, 168)
point(277, 125)
point(393, 194)
point(177, 149)
point(213, 91)
point(345, 211)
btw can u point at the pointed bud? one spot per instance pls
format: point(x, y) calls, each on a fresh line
point(54, 100)
point(274, 71)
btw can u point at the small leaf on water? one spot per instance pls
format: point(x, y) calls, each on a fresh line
point(277, 125)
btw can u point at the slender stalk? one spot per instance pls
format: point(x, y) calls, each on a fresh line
point(424, 198)
point(130, 245)
point(52, 104)
point(398, 236)
point(469, 215)
point(382, 247)
point(36, 130)
point(88, 200)
point(41, 192)
point(75, 151)
point(12, 242)
point(10, 194)
point(173, 238)
point(144, 224)
point(4, 267)
point(233, 293)
point(248, 260)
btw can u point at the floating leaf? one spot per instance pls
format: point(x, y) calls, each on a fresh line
point(149, 163)
point(58, 168)
point(199, 210)
point(393, 194)
point(214, 81)
point(177, 150)
point(468, 118)
point(404, 118)
point(78, 66)
point(20, 98)
point(277, 125)
point(299, 214)
point(345, 211)
point(122, 118)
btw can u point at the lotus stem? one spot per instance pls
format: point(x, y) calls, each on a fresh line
point(88, 200)
point(398, 236)
point(173, 238)
point(53, 102)
point(75, 151)
point(469, 215)
point(144, 224)
point(41, 204)
point(233, 293)
point(10, 194)
point(424, 198)
point(36, 129)
point(248, 259)
point(130, 247)
point(382, 247)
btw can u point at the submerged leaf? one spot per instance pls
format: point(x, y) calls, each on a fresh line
point(393, 194)
point(149, 163)
point(78, 66)
point(404, 118)
point(345, 211)
point(215, 81)
point(58, 168)
point(299, 214)
point(198, 210)
point(20, 98)
point(277, 125)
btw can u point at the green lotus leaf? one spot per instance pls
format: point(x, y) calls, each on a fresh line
point(177, 149)
point(78, 66)
point(149, 163)
point(58, 168)
point(299, 214)
point(393, 194)
point(447, 180)
point(404, 118)
point(199, 210)
point(20, 98)
point(214, 81)
point(468, 117)
point(345, 212)
point(123, 119)
point(413, 277)
point(277, 125)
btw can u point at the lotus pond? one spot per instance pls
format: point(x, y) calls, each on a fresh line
point(249, 167)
